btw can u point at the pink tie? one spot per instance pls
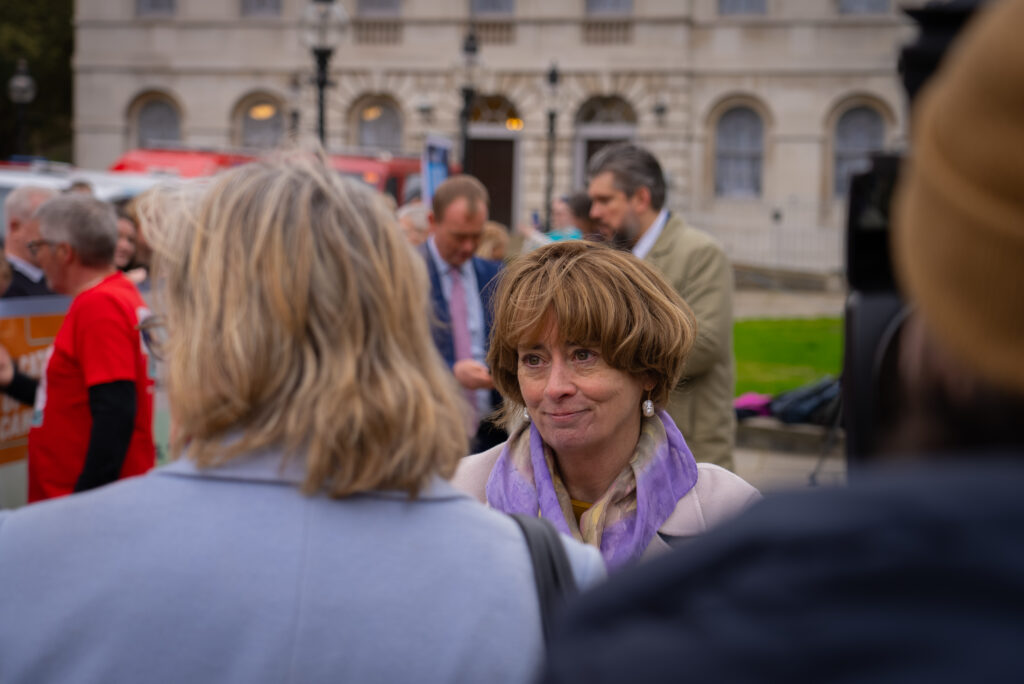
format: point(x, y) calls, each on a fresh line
point(461, 339)
point(460, 318)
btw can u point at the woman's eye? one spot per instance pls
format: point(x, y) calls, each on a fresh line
point(583, 355)
point(529, 360)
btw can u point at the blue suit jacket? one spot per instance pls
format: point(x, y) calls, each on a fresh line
point(441, 324)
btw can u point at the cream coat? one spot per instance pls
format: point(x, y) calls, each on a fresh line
point(717, 496)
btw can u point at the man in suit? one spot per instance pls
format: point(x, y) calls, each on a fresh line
point(22, 228)
point(627, 190)
point(461, 285)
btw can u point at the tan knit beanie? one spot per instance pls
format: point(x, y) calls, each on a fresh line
point(958, 227)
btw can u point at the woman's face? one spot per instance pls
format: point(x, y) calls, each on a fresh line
point(125, 249)
point(580, 405)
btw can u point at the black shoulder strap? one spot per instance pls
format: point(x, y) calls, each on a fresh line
point(551, 569)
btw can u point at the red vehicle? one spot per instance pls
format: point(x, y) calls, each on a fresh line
point(398, 176)
point(178, 162)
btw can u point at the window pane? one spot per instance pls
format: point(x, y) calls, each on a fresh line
point(739, 148)
point(261, 7)
point(379, 8)
point(158, 124)
point(154, 7)
point(860, 132)
point(380, 127)
point(493, 6)
point(741, 6)
point(262, 124)
point(609, 6)
point(863, 6)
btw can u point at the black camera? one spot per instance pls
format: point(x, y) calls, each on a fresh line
point(875, 311)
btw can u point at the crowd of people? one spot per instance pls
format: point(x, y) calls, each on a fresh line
point(359, 396)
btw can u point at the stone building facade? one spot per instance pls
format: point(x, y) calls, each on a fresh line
point(758, 109)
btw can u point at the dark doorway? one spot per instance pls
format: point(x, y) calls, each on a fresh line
point(493, 162)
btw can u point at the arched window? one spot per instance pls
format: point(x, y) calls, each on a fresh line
point(741, 7)
point(860, 132)
point(610, 109)
point(739, 153)
point(493, 6)
point(600, 121)
point(496, 109)
point(262, 122)
point(609, 7)
point(257, 8)
point(863, 6)
point(157, 123)
point(379, 125)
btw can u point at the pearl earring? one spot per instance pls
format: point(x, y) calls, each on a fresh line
point(648, 408)
point(526, 415)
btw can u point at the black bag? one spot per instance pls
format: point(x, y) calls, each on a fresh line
point(551, 569)
point(817, 404)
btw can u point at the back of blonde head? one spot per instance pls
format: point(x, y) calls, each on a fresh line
point(297, 319)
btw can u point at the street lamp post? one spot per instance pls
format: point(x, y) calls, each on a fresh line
point(549, 184)
point(294, 98)
point(323, 25)
point(22, 90)
point(469, 55)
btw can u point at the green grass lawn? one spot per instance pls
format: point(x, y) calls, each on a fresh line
point(773, 356)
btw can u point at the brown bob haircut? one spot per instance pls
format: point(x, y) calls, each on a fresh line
point(598, 297)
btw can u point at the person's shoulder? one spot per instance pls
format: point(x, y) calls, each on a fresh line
point(474, 470)
point(717, 496)
point(69, 522)
point(488, 266)
point(698, 240)
point(115, 291)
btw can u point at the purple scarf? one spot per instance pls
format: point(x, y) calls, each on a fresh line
point(625, 519)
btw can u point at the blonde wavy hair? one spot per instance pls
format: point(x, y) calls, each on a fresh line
point(597, 297)
point(296, 319)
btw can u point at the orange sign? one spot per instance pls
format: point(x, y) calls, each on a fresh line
point(27, 330)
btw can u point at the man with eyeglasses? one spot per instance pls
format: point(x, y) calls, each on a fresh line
point(93, 415)
point(23, 228)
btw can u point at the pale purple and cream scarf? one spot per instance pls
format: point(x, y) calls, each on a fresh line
point(625, 519)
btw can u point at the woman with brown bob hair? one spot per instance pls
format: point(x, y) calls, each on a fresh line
point(586, 344)
point(306, 531)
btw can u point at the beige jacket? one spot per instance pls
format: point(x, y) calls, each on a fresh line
point(701, 405)
point(717, 496)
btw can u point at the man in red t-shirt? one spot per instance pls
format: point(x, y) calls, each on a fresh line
point(93, 415)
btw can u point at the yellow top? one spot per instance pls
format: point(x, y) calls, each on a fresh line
point(579, 508)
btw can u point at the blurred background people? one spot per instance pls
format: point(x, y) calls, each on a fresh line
point(915, 573)
point(587, 344)
point(22, 228)
point(6, 272)
point(124, 252)
point(461, 288)
point(415, 221)
point(494, 242)
point(627, 192)
point(305, 531)
point(93, 418)
point(80, 187)
point(565, 221)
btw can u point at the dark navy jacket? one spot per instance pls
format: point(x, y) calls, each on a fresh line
point(916, 576)
point(485, 271)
